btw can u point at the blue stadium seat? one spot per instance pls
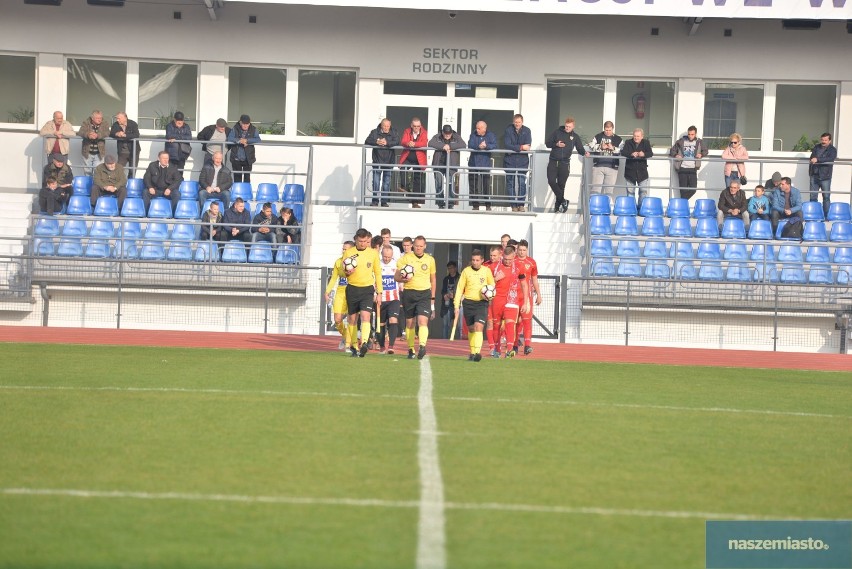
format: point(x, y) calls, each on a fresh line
point(819, 275)
point(188, 190)
point(792, 274)
point(733, 228)
point(814, 231)
point(70, 247)
point(98, 249)
point(766, 273)
point(298, 210)
point(259, 206)
point(184, 232)
point(677, 207)
point(187, 209)
point(129, 230)
point(135, 187)
point(735, 252)
point(624, 205)
point(106, 206)
point(844, 275)
point(651, 207)
point(133, 207)
point(812, 211)
point(599, 204)
point(125, 249)
point(600, 267)
point(600, 225)
point(709, 251)
point(657, 269)
point(295, 193)
point(82, 185)
point(626, 225)
point(288, 255)
point(760, 229)
point(680, 227)
point(46, 227)
point(682, 251)
point(706, 227)
point(817, 254)
point(102, 229)
point(152, 251)
point(207, 206)
point(841, 232)
point(704, 208)
point(601, 248)
point(160, 208)
point(260, 252)
point(839, 211)
point(685, 270)
point(738, 272)
point(627, 249)
point(202, 251)
point(44, 246)
point(241, 190)
point(74, 228)
point(653, 226)
point(157, 231)
point(79, 205)
point(654, 249)
point(790, 254)
point(179, 252)
point(234, 252)
point(628, 268)
point(267, 193)
point(762, 252)
point(710, 271)
point(843, 255)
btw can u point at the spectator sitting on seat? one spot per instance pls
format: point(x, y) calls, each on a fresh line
point(161, 180)
point(56, 134)
point(771, 185)
point(263, 225)
point(215, 181)
point(236, 222)
point(212, 224)
point(214, 133)
point(786, 202)
point(58, 169)
point(109, 180)
point(732, 203)
point(288, 227)
point(51, 197)
point(758, 204)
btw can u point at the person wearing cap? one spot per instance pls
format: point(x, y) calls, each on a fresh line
point(772, 184)
point(93, 131)
point(109, 180)
point(51, 199)
point(125, 132)
point(214, 133)
point(242, 139)
point(447, 144)
point(176, 131)
point(518, 139)
point(382, 138)
point(56, 133)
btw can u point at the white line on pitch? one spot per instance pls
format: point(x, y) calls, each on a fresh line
point(393, 396)
point(431, 535)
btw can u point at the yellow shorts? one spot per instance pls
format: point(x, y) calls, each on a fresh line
point(339, 305)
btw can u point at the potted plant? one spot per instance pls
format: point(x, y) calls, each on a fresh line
point(321, 128)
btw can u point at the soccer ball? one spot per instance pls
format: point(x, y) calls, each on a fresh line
point(349, 264)
point(407, 272)
point(488, 292)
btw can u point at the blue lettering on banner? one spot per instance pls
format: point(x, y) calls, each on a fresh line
point(388, 282)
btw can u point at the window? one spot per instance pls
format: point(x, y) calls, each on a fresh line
point(802, 114)
point(165, 88)
point(17, 90)
point(260, 93)
point(741, 112)
point(487, 91)
point(582, 99)
point(421, 88)
point(648, 105)
point(95, 84)
point(326, 103)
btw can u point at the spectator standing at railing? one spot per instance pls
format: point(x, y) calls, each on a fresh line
point(414, 141)
point(735, 155)
point(93, 131)
point(518, 139)
point(605, 147)
point(161, 179)
point(176, 132)
point(786, 202)
point(125, 132)
point(382, 138)
point(236, 222)
point(637, 150)
point(687, 152)
point(447, 144)
point(479, 181)
point(56, 133)
point(732, 203)
point(562, 143)
point(215, 181)
point(214, 133)
point(821, 169)
point(242, 139)
point(109, 180)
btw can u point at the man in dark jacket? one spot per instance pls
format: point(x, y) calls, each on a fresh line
point(383, 138)
point(447, 144)
point(93, 131)
point(215, 182)
point(637, 150)
point(216, 133)
point(161, 179)
point(212, 224)
point(242, 139)
point(263, 225)
point(821, 170)
point(687, 152)
point(732, 203)
point(125, 132)
point(176, 132)
point(479, 181)
point(236, 222)
point(518, 139)
point(562, 142)
point(605, 147)
point(56, 184)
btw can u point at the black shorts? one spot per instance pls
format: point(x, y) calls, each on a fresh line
point(390, 310)
point(360, 298)
point(475, 311)
point(417, 303)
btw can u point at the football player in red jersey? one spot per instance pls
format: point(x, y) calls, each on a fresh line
point(530, 268)
point(494, 255)
point(512, 295)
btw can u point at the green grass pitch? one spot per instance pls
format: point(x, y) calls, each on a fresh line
point(230, 458)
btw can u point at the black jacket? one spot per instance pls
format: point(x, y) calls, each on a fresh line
point(383, 154)
point(131, 133)
point(206, 133)
point(63, 175)
point(162, 178)
point(437, 142)
point(636, 169)
point(572, 142)
point(223, 181)
point(233, 217)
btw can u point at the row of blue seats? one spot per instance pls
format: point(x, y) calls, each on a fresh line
point(266, 192)
point(159, 208)
point(600, 204)
point(48, 227)
point(715, 252)
point(157, 250)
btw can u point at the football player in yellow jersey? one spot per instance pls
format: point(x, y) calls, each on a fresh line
point(469, 296)
point(363, 289)
point(336, 287)
point(418, 296)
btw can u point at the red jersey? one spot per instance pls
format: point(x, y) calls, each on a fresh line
point(509, 287)
point(530, 270)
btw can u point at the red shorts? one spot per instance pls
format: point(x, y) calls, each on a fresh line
point(499, 311)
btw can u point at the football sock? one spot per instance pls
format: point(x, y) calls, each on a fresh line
point(342, 329)
point(365, 331)
point(510, 334)
point(527, 324)
point(423, 334)
point(476, 341)
point(409, 336)
point(392, 333)
point(353, 336)
point(489, 334)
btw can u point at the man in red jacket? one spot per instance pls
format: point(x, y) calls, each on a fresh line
point(414, 141)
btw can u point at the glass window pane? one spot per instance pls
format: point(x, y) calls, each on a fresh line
point(802, 114)
point(582, 99)
point(486, 91)
point(421, 88)
point(17, 90)
point(95, 84)
point(326, 103)
point(165, 88)
point(648, 105)
point(730, 108)
point(260, 93)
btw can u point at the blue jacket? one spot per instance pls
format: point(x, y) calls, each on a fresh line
point(776, 199)
point(513, 140)
point(823, 154)
point(755, 203)
point(481, 159)
point(178, 133)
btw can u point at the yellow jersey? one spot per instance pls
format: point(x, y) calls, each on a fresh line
point(369, 269)
point(337, 278)
point(471, 282)
point(424, 268)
